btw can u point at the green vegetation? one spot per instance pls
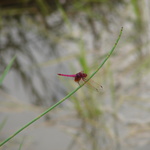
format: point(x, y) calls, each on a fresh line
point(68, 36)
point(70, 94)
point(6, 70)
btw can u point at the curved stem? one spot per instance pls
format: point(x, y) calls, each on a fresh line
point(70, 94)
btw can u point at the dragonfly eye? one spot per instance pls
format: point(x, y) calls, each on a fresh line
point(84, 75)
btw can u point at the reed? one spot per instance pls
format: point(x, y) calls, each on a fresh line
point(66, 97)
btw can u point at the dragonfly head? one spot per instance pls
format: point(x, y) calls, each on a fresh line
point(82, 74)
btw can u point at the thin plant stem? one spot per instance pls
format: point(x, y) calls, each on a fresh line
point(6, 70)
point(69, 95)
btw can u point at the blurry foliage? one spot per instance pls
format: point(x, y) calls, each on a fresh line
point(99, 115)
point(20, 17)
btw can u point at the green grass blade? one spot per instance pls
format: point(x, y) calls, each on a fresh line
point(70, 94)
point(6, 70)
point(21, 144)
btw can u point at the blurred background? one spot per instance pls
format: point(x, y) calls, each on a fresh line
point(68, 36)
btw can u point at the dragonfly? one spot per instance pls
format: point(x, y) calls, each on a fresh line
point(81, 77)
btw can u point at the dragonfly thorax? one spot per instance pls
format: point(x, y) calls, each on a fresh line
point(80, 76)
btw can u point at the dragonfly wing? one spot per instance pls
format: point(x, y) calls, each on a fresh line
point(92, 85)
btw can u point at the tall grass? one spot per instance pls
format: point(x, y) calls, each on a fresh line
point(6, 70)
point(70, 94)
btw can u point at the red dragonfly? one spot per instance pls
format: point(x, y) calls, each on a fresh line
point(81, 76)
